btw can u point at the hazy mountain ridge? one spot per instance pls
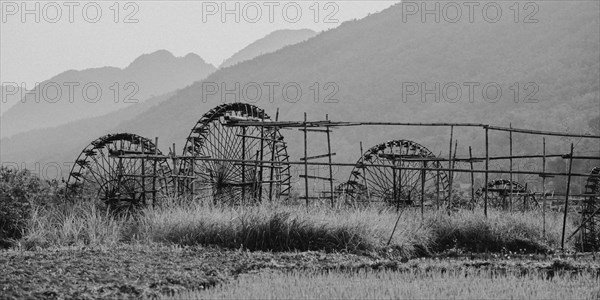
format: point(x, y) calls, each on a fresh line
point(81, 132)
point(369, 59)
point(61, 144)
point(268, 44)
point(61, 99)
point(369, 70)
point(9, 96)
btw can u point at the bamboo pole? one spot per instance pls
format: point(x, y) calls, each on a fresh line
point(243, 166)
point(453, 168)
point(256, 183)
point(510, 202)
point(399, 189)
point(395, 188)
point(175, 172)
point(273, 149)
point(330, 166)
point(143, 161)
point(405, 168)
point(154, 172)
point(450, 166)
point(415, 158)
point(490, 127)
point(472, 179)
point(305, 161)
point(544, 189)
point(193, 170)
point(487, 168)
point(437, 189)
point(262, 152)
point(423, 189)
point(364, 174)
point(562, 241)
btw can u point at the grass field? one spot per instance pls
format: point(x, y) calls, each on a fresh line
point(278, 251)
point(272, 227)
point(412, 284)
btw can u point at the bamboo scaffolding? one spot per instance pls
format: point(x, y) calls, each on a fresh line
point(359, 165)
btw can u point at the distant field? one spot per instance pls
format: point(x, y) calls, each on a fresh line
point(412, 284)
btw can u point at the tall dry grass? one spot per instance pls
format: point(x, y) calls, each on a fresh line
point(276, 227)
point(78, 225)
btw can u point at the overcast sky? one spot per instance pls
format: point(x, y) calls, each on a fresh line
point(74, 36)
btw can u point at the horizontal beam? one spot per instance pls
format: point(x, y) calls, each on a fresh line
point(342, 124)
point(261, 138)
point(316, 156)
point(315, 130)
point(316, 177)
point(358, 165)
point(404, 168)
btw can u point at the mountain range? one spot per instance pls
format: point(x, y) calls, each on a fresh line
point(543, 75)
point(10, 95)
point(270, 43)
point(62, 142)
point(362, 66)
point(76, 95)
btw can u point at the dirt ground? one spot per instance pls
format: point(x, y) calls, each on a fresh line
point(145, 272)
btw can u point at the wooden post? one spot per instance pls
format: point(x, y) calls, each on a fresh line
point(487, 168)
point(510, 198)
point(544, 189)
point(330, 166)
point(562, 241)
point(472, 178)
point(305, 161)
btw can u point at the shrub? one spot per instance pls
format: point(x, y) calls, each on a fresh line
point(17, 190)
